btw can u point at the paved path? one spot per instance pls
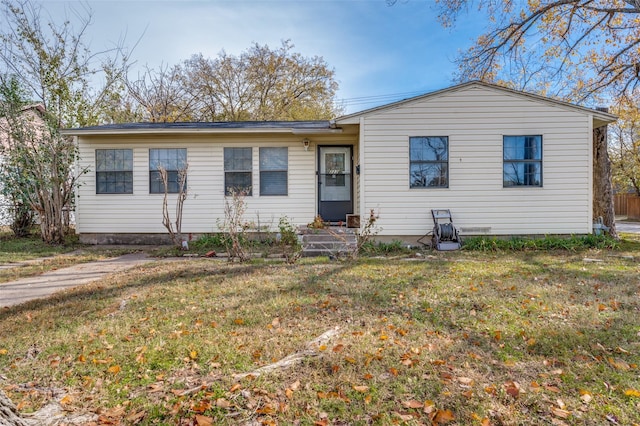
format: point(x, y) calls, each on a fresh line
point(632, 227)
point(25, 289)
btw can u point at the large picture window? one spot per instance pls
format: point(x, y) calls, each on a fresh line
point(522, 161)
point(114, 171)
point(237, 170)
point(274, 164)
point(429, 162)
point(174, 161)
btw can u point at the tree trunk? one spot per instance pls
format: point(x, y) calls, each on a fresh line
point(9, 415)
point(602, 188)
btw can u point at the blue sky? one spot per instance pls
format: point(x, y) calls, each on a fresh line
point(376, 50)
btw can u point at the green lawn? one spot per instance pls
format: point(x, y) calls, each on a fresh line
point(460, 338)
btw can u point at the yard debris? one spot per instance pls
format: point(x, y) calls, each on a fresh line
point(311, 349)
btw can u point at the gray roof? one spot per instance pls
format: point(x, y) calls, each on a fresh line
point(321, 126)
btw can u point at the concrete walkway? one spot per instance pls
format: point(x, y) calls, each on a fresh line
point(20, 291)
point(630, 227)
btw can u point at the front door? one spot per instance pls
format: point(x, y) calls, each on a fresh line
point(335, 195)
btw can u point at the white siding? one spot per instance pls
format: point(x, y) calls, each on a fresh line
point(475, 120)
point(141, 212)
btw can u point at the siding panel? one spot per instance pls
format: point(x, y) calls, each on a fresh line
point(141, 212)
point(475, 121)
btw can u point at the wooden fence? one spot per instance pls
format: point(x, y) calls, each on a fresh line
point(627, 205)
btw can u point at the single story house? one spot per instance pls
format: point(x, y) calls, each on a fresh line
point(504, 162)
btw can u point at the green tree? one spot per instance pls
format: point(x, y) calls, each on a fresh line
point(570, 49)
point(582, 48)
point(53, 66)
point(262, 84)
point(624, 146)
point(18, 211)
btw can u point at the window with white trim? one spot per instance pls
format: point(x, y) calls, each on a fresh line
point(238, 165)
point(429, 162)
point(114, 171)
point(274, 169)
point(174, 161)
point(522, 161)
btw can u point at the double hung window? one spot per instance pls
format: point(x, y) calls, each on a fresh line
point(429, 162)
point(114, 171)
point(238, 165)
point(274, 165)
point(522, 161)
point(174, 161)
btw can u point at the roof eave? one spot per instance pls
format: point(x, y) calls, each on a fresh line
point(165, 131)
point(598, 116)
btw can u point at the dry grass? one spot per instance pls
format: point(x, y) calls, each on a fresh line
point(457, 338)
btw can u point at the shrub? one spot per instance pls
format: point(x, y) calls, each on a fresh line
point(574, 242)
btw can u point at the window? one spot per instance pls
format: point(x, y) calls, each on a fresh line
point(429, 162)
point(273, 171)
point(237, 170)
point(173, 161)
point(522, 161)
point(114, 171)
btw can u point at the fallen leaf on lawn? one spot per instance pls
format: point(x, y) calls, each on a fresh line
point(235, 387)
point(362, 388)
point(393, 371)
point(193, 355)
point(585, 397)
point(618, 364)
point(497, 335)
point(155, 387)
point(203, 420)
point(632, 392)
point(81, 358)
point(114, 369)
point(238, 321)
point(512, 389)
point(3, 351)
point(444, 416)
point(295, 385)
point(465, 381)
point(491, 390)
point(288, 392)
point(429, 407)
point(322, 347)
point(485, 422)
point(559, 412)
point(413, 404)
point(67, 399)
point(222, 403)
point(552, 388)
point(135, 418)
point(338, 348)
point(404, 417)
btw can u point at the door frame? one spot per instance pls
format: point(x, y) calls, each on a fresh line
point(319, 179)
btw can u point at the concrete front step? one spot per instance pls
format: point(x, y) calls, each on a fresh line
point(327, 242)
